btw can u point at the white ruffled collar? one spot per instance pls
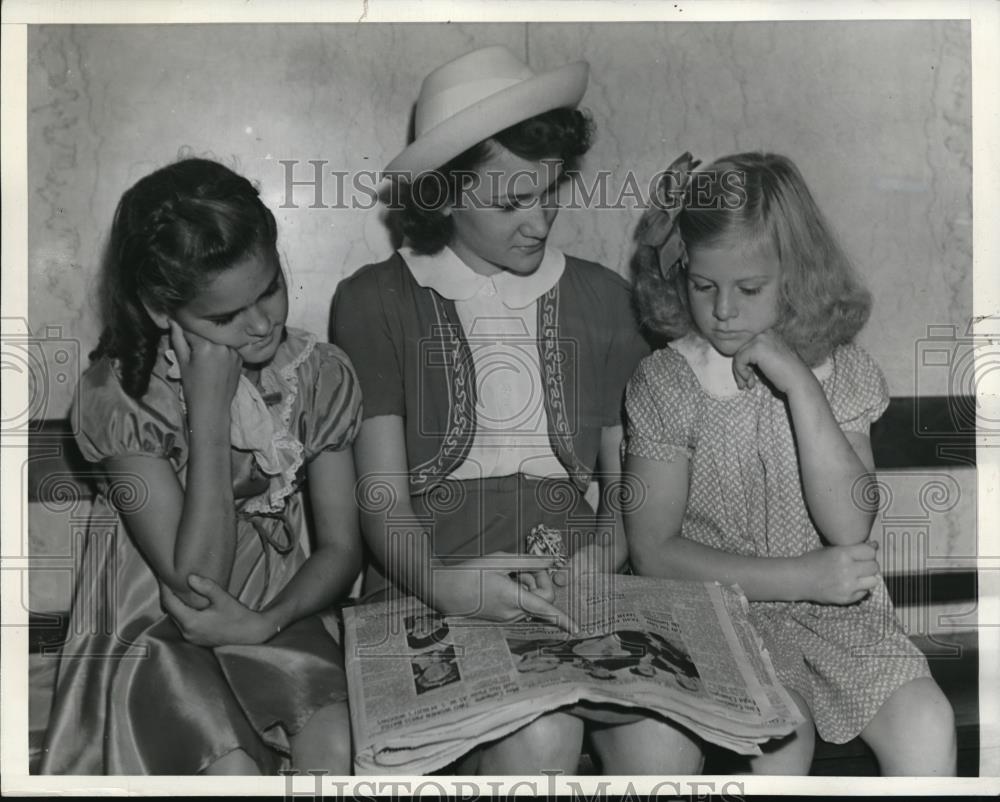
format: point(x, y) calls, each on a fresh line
point(265, 430)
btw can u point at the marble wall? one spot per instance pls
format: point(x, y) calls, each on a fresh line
point(876, 114)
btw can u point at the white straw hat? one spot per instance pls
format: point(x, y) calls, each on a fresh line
point(477, 95)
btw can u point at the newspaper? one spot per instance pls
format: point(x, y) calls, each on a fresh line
point(426, 688)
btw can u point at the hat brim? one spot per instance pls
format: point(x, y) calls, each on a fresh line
point(560, 88)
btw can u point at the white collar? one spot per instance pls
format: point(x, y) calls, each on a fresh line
point(445, 273)
point(715, 371)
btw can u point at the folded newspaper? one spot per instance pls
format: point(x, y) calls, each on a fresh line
point(426, 688)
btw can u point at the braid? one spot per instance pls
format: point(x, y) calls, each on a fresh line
point(173, 231)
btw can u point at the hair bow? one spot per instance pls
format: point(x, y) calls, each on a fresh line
point(658, 227)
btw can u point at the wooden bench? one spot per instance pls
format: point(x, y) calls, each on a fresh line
point(914, 433)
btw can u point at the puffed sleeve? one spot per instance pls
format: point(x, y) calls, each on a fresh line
point(660, 409)
point(857, 389)
point(113, 424)
point(332, 417)
point(359, 325)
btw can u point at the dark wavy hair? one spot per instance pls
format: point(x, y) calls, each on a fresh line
point(564, 135)
point(173, 231)
point(754, 200)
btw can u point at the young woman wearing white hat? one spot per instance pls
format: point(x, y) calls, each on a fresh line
point(492, 368)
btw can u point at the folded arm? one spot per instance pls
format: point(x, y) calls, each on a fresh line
point(181, 531)
point(656, 548)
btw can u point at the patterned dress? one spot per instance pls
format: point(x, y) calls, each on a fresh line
point(134, 697)
point(745, 497)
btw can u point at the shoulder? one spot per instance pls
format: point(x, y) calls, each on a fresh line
point(666, 379)
point(374, 276)
point(663, 406)
point(329, 397)
point(303, 351)
point(853, 371)
point(383, 291)
point(856, 388)
point(100, 391)
point(99, 394)
point(667, 368)
point(596, 276)
point(599, 295)
point(853, 360)
point(112, 423)
point(333, 362)
point(100, 377)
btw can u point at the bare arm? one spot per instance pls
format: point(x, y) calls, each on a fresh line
point(333, 566)
point(384, 492)
point(653, 526)
point(610, 508)
point(178, 531)
point(321, 580)
point(192, 529)
point(380, 456)
point(835, 467)
point(657, 549)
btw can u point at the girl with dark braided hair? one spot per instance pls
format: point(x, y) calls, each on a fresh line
point(205, 415)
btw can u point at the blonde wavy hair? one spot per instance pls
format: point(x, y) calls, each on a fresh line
point(823, 303)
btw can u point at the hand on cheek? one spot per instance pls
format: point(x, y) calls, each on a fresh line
point(210, 372)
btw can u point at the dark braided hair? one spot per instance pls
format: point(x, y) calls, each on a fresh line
point(561, 134)
point(173, 231)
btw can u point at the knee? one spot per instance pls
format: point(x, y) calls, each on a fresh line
point(338, 753)
point(552, 742)
point(914, 732)
point(551, 736)
point(793, 754)
point(325, 742)
point(931, 713)
point(805, 733)
point(920, 707)
point(649, 746)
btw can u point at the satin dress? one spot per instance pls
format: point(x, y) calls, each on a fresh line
point(132, 696)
